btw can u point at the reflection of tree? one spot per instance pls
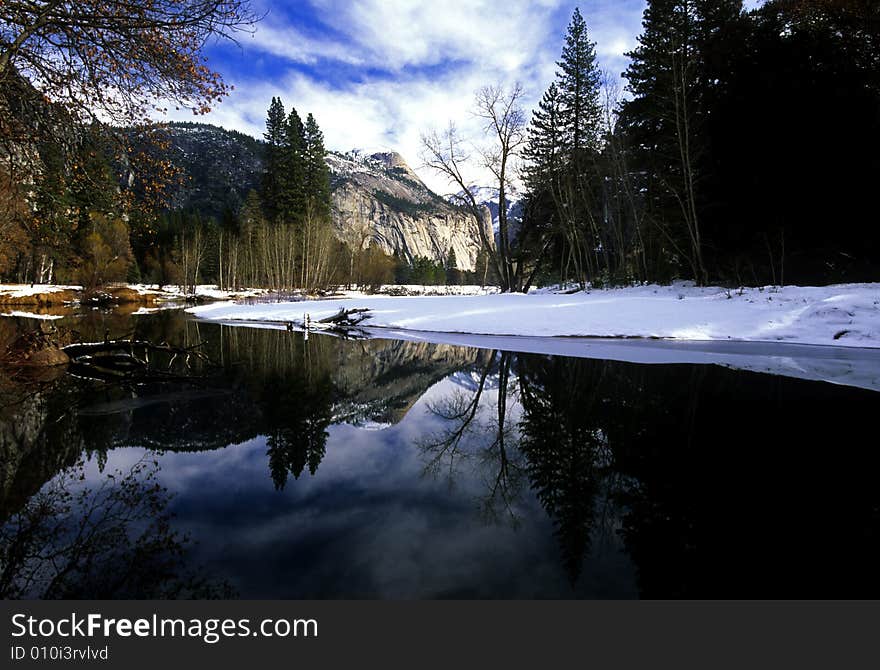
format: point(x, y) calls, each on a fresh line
point(566, 447)
point(477, 433)
point(113, 540)
point(296, 413)
point(560, 442)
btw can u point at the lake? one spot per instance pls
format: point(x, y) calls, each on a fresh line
point(286, 467)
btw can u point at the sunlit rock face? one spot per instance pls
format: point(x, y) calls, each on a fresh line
point(378, 199)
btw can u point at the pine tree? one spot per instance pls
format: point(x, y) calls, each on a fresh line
point(671, 76)
point(276, 146)
point(564, 147)
point(543, 152)
point(579, 81)
point(453, 274)
point(294, 176)
point(317, 172)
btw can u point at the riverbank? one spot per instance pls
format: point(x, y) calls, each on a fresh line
point(845, 315)
point(56, 301)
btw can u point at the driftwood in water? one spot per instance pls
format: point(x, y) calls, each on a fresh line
point(346, 318)
point(129, 360)
point(344, 322)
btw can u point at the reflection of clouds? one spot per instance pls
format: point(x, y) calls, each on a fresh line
point(368, 524)
point(470, 380)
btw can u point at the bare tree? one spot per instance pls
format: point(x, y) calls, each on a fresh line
point(118, 59)
point(506, 124)
point(357, 237)
point(447, 154)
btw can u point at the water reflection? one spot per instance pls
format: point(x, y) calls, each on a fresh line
point(479, 434)
point(407, 469)
point(111, 540)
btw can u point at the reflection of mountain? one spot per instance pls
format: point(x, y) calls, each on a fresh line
point(666, 481)
point(32, 448)
point(472, 380)
point(268, 382)
point(380, 383)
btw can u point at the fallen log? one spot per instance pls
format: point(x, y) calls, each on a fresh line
point(129, 360)
point(346, 317)
point(92, 348)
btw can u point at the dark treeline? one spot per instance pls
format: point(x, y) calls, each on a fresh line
point(742, 152)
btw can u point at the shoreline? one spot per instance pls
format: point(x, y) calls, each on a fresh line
point(841, 316)
point(846, 366)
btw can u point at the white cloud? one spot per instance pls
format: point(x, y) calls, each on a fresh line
point(287, 42)
point(434, 56)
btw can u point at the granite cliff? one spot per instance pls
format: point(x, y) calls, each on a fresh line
point(377, 198)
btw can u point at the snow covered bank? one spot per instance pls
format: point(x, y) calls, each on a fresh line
point(33, 315)
point(846, 315)
point(847, 366)
point(209, 291)
point(150, 296)
point(26, 290)
point(399, 290)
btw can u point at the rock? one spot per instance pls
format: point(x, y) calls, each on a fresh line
point(376, 197)
point(53, 298)
point(51, 356)
point(380, 200)
point(124, 296)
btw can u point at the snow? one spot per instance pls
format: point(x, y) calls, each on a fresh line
point(170, 292)
point(31, 315)
point(846, 315)
point(166, 292)
point(373, 425)
point(847, 366)
point(424, 290)
point(26, 290)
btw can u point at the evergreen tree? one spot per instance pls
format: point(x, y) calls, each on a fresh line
point(543, 152)
point(93, 184)
point(664, 119)
point(317, 172)
point(275, 161)
point(563, 446)
point(294, 177)
point(402, 269)
point(482, 274)
point(563, 150)
point(453, 274)
point(579, 81)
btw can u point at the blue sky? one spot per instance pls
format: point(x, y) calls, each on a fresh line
point(377, 73)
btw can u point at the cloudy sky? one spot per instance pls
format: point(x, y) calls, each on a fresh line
point(377, 73)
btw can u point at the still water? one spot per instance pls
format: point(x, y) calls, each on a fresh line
point(329, 468)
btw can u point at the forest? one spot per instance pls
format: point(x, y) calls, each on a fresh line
point(741, 150)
